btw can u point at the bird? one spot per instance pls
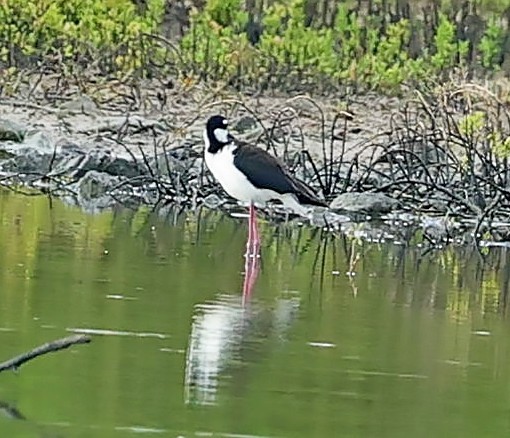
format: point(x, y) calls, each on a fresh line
point(254, 176)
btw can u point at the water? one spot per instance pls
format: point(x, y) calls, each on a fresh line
point(412, 344)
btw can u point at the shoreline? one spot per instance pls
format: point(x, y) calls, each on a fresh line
point(368, 154)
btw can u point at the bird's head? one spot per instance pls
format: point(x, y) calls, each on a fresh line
point(216, 133)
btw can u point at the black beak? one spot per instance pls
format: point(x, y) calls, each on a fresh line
point(230, 138)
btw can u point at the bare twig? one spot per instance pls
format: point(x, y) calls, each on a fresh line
point(49, 347)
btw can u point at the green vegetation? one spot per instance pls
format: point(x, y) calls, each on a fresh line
point(491, 44)
point(479, 127)
point(75, 31)
point(290, 47)
point(351, 51)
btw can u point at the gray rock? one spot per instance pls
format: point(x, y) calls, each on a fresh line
point(93, 191)
point(4, 155)
point(39, 141)
point(245, 123)
point(69, 164)
point(95, 185)
point(321, 218)
point(161, 165)
point(66, 145)
point(11, 131)
point(118, 165)
point(27, 160)
point(80, 104)
point(77, 163)
point(438, 228)
point(33, 155)
point(366, 202)
point(37, 154)
point(213, 201)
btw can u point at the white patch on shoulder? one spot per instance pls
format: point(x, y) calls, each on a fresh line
point(221, 135)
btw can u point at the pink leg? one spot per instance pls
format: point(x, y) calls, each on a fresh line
point(250, 235)
point(253, 244)
point(255, 231)
point(251, 271)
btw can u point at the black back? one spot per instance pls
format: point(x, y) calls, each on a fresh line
point(267, 172)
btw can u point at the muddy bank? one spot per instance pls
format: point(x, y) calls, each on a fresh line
point(149, 143)
point(368, 155)
point(106, 115)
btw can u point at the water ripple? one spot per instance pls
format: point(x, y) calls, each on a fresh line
point(106, 332)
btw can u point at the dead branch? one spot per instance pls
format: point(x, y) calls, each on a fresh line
point(48, 347)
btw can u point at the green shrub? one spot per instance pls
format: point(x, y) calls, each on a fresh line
point(75, 29)
point(491, 45)
point(353, 50)
point(364, 50)
point(448, 52)
point(227, 13)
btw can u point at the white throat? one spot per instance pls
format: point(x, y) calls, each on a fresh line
point(221, 135)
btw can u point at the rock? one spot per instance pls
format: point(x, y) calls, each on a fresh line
point(366, 202)
point(4, 155)
point(69, 164)
point(38, 154)
point(77, 163)
point(40, 142)
point(438, 228)
point(115, 164)
point(81, 104)
point(33, 155)
point(11, 131)
point(66, 145)
point(213, 201)
point(95, 185)
point(245, 123)
point(93, 191)
point(326, 218)
point(27, 160)
point(163, 166)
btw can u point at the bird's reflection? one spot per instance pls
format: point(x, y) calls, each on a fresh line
point(225, 331)
point(10, 411)
point(251, 272)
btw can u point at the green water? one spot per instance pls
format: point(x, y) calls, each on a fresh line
point(412, 345)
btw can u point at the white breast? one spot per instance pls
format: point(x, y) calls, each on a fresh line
point(233, 181)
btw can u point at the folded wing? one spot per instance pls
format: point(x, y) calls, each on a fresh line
point(266, 172)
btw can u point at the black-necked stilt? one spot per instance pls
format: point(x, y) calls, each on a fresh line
point(252, 175)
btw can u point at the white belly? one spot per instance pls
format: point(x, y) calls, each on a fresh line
point(233, 181)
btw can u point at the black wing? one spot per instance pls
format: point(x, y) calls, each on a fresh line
point(267, 172)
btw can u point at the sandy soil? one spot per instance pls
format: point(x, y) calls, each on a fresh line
point(117, 116)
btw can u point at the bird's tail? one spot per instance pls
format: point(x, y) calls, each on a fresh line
point(305, 195)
